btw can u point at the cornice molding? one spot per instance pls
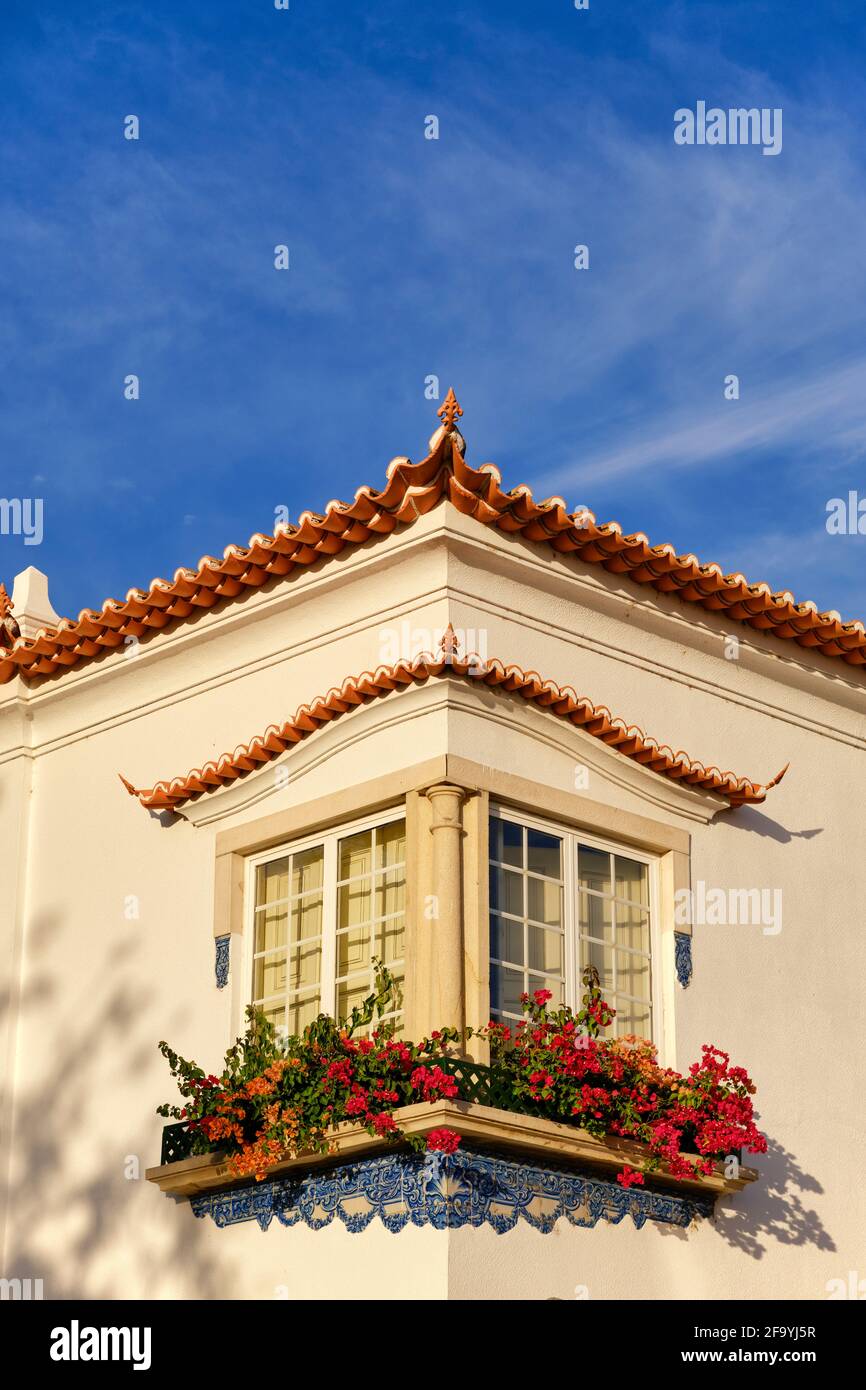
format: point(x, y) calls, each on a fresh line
point(446, 530)
point(627, 742)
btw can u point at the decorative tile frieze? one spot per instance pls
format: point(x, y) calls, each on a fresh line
point(446, 1191)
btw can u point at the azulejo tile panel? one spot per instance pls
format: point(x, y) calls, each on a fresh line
point(446, 1191)
point(683, 957)
point(222, 946)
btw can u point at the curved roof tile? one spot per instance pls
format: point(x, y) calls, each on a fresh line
point(411, 490)
point(562, 701)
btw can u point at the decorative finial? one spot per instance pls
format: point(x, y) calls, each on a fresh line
point(450, 410)
point(449, 642)
point(9, 629)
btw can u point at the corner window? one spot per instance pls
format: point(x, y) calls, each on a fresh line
point(322, 909)
point(560, 901)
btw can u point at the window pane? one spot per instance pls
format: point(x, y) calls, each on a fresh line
point(307, 917)
point(308, 869)
point(399, 981)
point(544, 982)
point(356, 854)
point(506, 891)
point(632, 880)
point(596, 917)
point(633, 1018)
point(276, 1014)
point(391, 844)
point(506, 841)
point(269, 976)
point(506, 987)
point(593, 869)
point(272, 881)
point(302, 1011)
point(353, 905)
point(390, 892)
point(545, 950)
point(506, 939)
point(351, 994)
point(389, 940)
point(544, 854)
point(632, 975)
point(594, 953)
point(545, 902)
point(272, 926)
point(353, 949)
point(304, 965)
point(632, 928)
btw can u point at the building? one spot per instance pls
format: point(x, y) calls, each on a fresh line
point(291, 675)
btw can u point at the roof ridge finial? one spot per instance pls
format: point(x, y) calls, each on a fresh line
point(450, 410)
point(9, 629)
point(449, 643)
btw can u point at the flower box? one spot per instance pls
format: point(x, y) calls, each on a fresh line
point(520, 1136)
point(556, 1091)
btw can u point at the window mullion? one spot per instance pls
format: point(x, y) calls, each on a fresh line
point(571, 922)
point(614, 959)
point(372, 906)
point(329, 928)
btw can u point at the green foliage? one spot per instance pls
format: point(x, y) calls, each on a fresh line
point(278, 1096)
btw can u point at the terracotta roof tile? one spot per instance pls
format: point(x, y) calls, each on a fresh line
point(411, 490)
point(562, 701)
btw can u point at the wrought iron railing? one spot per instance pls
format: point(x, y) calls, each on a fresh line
point(176, 1143)
point(478, 1083)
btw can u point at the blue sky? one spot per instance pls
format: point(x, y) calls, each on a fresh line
point(412, 257)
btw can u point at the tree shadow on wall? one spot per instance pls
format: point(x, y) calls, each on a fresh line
point(76, 1221)
point(773, 1209)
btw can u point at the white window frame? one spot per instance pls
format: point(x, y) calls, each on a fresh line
point(329, 838)
point(571, 837)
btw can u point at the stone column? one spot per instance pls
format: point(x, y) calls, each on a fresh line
point(444, 919)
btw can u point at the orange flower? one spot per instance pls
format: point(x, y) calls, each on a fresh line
point(276, 1069)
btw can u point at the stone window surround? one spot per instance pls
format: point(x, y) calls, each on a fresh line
point(447, 801)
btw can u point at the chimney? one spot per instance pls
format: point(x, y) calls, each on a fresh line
point(30, 602)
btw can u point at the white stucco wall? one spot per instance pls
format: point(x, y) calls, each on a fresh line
point(92, 992)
